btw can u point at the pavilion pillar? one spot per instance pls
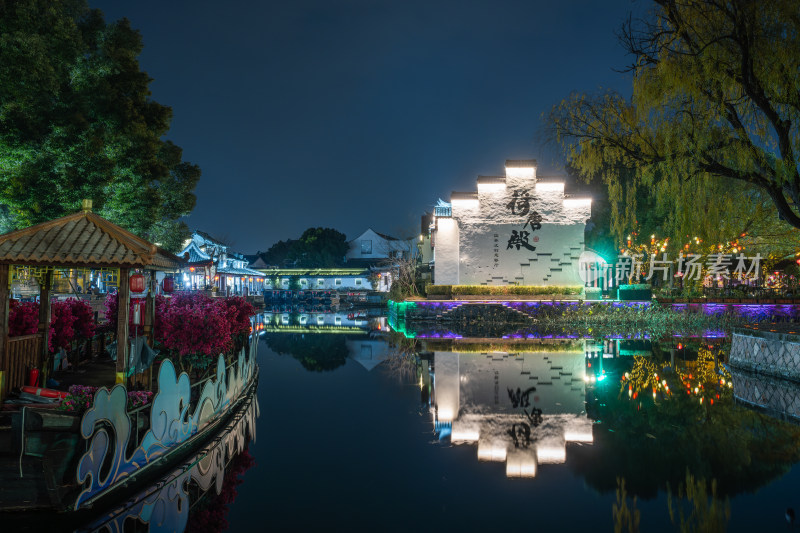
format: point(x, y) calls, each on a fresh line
point(3, 329)
point(123, 304)
point(150, 310)
point(45, 314)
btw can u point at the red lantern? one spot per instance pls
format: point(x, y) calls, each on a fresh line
point(168, 285)
point(136, 283)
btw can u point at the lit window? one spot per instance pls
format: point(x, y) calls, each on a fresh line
point(285, 281)
point(320, 282)
point(303, 282)
point(338, 282)
point(358, 281)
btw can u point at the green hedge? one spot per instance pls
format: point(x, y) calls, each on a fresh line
point(502, 290)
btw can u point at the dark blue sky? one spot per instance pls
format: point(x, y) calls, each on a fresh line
point(356, 114)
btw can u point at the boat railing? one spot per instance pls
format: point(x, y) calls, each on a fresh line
point(140, 416)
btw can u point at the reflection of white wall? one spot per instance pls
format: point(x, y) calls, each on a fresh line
point(446, 385)
point(485, 380)
point(471, 390)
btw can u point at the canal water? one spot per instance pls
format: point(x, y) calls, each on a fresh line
point(359, 428)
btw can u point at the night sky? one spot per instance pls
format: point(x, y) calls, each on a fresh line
point(357, 114)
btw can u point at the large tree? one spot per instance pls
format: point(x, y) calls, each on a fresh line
point(319, 247)
point(711, 131)
point(77, 121)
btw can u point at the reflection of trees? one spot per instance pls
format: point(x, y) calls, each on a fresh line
point(702, 510)
point(316, 352)
point(402, 360)
point(652, 442)
point(694, 509)
point(210, 515)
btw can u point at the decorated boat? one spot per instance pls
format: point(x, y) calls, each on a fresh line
point(90, 449)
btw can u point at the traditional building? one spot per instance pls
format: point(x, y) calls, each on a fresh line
point(211, 264)
point(516, 229)
point(374, 247)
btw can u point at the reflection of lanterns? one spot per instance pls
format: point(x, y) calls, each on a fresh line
point(168, 285)
point(136, 283)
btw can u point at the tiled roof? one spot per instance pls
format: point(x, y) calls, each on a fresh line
point(520, 163)
point(387, 237)
point(83, 239)
point(195, 254)
point(240, 272)
point(209, 239)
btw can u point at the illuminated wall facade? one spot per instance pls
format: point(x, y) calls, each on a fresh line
point(516, 229)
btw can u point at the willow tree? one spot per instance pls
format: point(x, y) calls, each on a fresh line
point(77, 121)
point(711, 130)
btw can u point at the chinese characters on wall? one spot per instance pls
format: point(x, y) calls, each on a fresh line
point(520, 205)
point(520, 432)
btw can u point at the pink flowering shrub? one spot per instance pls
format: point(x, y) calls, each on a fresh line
point(23, 318)
point(239, 312)
point(80, 398)
point(193, 324)
point(83, 318)
point(61, 330)
point(138, 398)
point(71, 319)
point(111, 305)
point(193, 328)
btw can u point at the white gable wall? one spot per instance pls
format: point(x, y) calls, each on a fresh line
point(473, 248)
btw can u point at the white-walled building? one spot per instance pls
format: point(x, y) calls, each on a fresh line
point(374, 246)
point(516, 229)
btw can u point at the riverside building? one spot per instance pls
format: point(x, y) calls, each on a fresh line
point(515, 229)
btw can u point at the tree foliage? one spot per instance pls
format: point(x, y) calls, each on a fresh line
point(278, 253)
point(320, 247)
point(316, 352)
point(711, 131)
point(77, 121)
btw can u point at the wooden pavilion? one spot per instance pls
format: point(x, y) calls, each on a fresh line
point(81, 241)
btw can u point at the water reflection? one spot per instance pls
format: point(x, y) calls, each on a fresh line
point(184, 500)
point(521, 409)
point(324, 342)
point(609, 409)
point(778, 398)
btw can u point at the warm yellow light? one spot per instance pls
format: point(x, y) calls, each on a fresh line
point(466, 203)
point(491, 451)
point(445, 415)
point(521, 464)
point(460, 433)
point(551, 454)
point(549, 187)
point(491, 187)
point(577, 202)
point(575, 435)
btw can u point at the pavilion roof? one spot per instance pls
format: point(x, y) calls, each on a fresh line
point(83, 239)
